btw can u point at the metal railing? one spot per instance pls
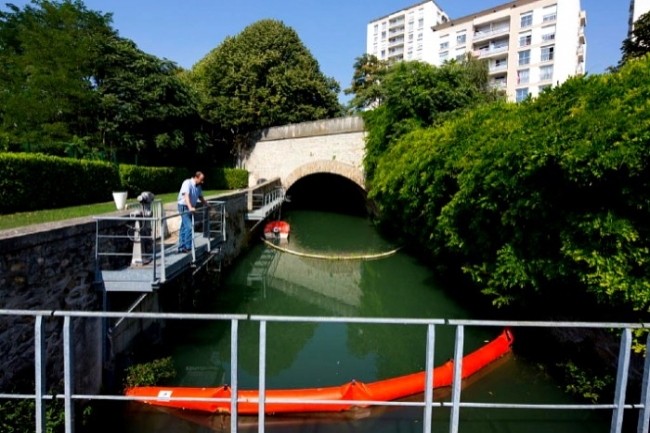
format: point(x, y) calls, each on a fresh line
point(148, 235)
point(618, 406)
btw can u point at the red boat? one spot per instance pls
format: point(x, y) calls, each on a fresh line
point(277, 230)
point(278, 400)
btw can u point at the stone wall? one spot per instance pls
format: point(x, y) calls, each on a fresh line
point(51, 267)
point(335, 146)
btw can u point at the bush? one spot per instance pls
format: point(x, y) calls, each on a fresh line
point(32, 181)
point(156, 372)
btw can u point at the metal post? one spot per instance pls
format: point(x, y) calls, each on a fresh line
point(644, 413)
point(455, 390)
point(428, 387)
point(68, 350)
point(262, 376)
point(206, 225)
point(39, 373)
point(233, 375)
point(193, 246)
point(621, 381)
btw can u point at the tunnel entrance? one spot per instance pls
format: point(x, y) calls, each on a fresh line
point(327, 192)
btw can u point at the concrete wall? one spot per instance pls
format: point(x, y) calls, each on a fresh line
point(52, 267)
point(290, 152)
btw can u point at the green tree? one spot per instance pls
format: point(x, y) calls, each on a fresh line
point(366, 82)
point(260, 78)
point(147, 110)
point(48, 51)
point(416, 94)
point(637, 44)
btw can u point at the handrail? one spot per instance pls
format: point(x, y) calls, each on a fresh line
point(618, 406)
point(157, 256)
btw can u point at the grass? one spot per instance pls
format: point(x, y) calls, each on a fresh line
point(21, 219)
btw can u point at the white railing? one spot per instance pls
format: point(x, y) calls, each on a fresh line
point(617, 407)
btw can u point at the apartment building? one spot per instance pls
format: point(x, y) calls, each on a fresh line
point(638, 8)
point(529, 44)
point(405, 34)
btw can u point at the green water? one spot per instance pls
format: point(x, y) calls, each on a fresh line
point(265, 281)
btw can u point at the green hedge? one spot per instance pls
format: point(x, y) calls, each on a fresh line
point(34, 181)
point(31, 181)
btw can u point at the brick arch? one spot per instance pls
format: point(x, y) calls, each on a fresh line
point(330, 167)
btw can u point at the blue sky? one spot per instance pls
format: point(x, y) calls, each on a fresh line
point(334, 31)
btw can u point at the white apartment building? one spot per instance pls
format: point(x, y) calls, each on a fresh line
point(529, 44)
point(405, 34)
point(638, 8)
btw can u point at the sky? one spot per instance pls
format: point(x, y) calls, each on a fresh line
point(334, 31)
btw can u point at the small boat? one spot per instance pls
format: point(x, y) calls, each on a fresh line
point(277, 230)
point(336, 398)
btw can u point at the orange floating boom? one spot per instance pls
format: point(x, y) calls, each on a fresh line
point(382, 390)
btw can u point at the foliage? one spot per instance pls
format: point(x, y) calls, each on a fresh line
point(366, 82)
point(262, 77)
point(227, 178)
point(156, 372)
point(70, 86)
point(66, 181)
point(415, 94)
point(48, 51)
point(145, 108)
point(547, 199)
point(637, 44)
point(586, 384)
point(135, 179)
point(17, 416)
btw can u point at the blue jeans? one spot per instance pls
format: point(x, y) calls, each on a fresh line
point(185, 233)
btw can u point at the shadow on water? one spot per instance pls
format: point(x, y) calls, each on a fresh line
point(265, 281)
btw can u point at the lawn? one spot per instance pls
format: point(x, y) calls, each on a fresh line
point(21, 219)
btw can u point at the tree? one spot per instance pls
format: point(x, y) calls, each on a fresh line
point(637, 44)
point(260, 78)
point(366, 82)
point(147, 110)
point(48, 52)
point(416, 94)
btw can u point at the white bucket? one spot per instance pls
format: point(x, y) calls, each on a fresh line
point(120, 199)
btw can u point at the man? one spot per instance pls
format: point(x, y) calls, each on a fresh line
point(188, 196)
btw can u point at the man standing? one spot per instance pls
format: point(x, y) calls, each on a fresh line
point(188, 196)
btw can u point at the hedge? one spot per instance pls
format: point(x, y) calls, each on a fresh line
point(32, 181)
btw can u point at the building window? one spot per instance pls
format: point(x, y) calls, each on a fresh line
point(544, 88)
point(525, 39)
point(549, 14)
point(523, 76)
point(376, 28)
point(548, 34)
point(411, 37)
point(444, 45)
point(383, 35)
point(524, 57)
point(546, 73)
point(547, 53)
point(420, 23)
point(461, 39)
point(521, 94)
point(526, 20)
point(444, 55)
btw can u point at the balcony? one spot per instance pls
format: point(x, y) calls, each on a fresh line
point(496, 68)
point(583, 18)
point(498, 84)
point(395, 42)
point(581, 36)
point(490, 51)
point(484, 33)
point(581, 54)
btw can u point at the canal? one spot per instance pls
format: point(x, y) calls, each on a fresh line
point(266, 281)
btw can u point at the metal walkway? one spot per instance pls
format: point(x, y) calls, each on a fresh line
point(265, 204)
point(153, 258)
